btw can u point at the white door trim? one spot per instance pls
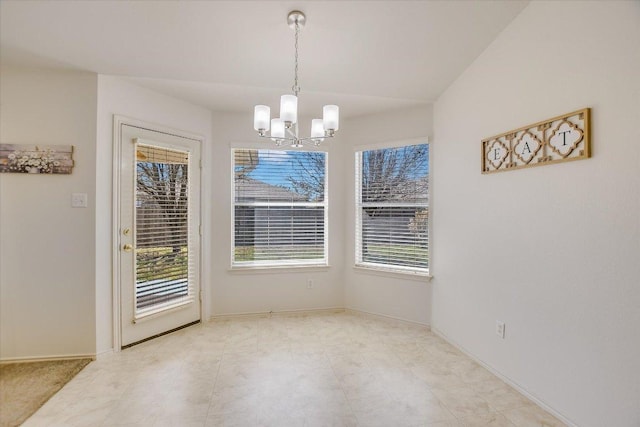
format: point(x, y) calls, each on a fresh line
point(118, 122)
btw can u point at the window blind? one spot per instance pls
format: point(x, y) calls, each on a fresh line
point(280, 207)
point(164, 268)
point(392, 212)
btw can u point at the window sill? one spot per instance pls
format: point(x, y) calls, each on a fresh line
point(260, 269)
point(389, 272)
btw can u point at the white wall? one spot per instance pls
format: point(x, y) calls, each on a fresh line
point(47, 269)
point(386, 294)
point(117, 96)
point(235, 292)
point(552, 251)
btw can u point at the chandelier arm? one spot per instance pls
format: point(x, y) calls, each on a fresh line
point(315, 140)
point(297, 142)
point(284, 138)
point(293, 134)
point(294, 138)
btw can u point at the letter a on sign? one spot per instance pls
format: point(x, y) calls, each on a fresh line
point(526, 146)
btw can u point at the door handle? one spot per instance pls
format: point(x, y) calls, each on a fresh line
point(127, 248)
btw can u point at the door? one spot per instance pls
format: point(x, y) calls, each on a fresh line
point(159, 239)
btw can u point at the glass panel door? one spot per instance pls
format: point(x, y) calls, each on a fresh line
point(162, 231)
point(159, 236)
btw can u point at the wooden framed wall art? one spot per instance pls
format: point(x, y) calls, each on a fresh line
point(36, 159)
point(560, 139)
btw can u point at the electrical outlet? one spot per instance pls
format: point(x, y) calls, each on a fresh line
point(309, 284)
point(500, 329)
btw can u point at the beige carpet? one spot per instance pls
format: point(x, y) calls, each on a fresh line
point(25, 387)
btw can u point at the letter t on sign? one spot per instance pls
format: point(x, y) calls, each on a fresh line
point(564, 136)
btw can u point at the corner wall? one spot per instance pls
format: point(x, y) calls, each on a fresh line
point(47, 248)
point(553, 250)
point(239, 292)
point(392, 295)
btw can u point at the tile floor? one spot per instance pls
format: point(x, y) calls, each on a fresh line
point(337, 369)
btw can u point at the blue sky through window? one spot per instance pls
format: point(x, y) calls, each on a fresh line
point(271, 161)
point(416, 173)
point(276, 167)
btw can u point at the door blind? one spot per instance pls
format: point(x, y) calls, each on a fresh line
point(279, 207)
point(164, 265)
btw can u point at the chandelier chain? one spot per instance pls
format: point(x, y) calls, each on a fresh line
point(296, 87)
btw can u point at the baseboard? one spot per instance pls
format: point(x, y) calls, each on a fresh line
point(507, 380)
point(262, 314)
point(327, 310)
point(105, 353)
point(46, 358)
point(387, 317)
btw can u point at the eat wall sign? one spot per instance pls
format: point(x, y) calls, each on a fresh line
point(560, 139)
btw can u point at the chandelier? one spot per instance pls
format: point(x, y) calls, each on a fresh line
point(285, 128)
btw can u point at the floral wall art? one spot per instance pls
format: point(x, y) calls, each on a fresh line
point(36, 159)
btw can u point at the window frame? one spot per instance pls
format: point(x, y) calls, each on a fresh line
point(379, 268)
point(287, 263)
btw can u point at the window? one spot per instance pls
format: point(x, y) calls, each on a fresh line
point(164, 267)
point(392, 208)
point(280, 208)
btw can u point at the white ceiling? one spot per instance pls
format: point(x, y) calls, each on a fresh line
point(366, 56)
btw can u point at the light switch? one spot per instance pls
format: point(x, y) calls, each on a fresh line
point(78, 200)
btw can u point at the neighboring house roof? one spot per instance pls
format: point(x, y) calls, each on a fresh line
point(252, 190)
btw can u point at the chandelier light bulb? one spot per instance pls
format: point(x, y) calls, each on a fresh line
point(261, 118)
point(277, 129)
point(289, 108)
point(317, 128)
point(331, 117)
